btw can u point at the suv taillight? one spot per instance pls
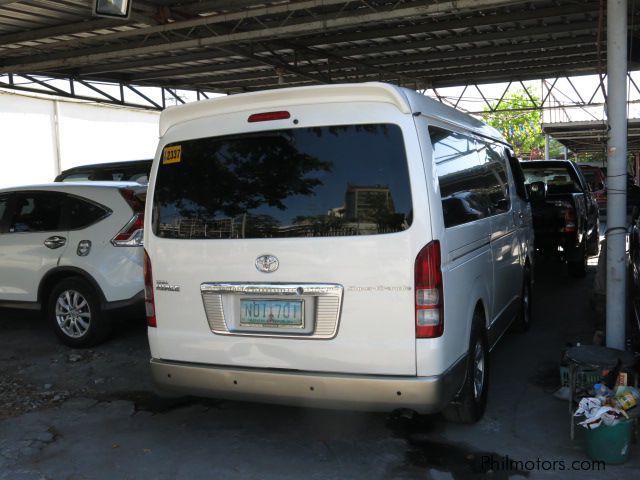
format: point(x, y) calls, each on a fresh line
point(149, 305)
point(132, 233)
point(429, 293)
point(568, 212)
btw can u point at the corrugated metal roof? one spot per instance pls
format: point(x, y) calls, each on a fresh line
point(232, 46)
point(591, 136)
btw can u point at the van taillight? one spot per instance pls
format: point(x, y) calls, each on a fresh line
point(132, 233)
point(268, 116)
point(429, 293)
point(149, 304)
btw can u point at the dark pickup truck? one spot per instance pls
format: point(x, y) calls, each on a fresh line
point(565, 212)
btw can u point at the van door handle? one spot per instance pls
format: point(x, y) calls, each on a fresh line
point(55, 242)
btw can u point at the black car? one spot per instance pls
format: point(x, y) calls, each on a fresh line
point(130, 171)
point(565, 212)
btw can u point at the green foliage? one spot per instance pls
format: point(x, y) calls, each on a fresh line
point(556, 149)
point(519, 126)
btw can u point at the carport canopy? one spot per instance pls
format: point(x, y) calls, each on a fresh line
point(233, 46)
point(241, 45)
point(590, 136)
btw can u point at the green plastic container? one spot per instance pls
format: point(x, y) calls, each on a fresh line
point(610, 444)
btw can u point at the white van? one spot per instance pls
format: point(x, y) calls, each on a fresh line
point(352, 246)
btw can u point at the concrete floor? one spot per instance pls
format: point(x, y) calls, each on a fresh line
point(91, 414)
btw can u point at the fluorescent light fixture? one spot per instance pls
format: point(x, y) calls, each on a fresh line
point(112, 8)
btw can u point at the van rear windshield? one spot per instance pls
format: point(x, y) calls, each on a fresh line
point(302, 182)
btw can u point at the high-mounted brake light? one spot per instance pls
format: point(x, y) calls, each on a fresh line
point(149, 304)
point(429, 294)
point(132, 233)
point(268, 116)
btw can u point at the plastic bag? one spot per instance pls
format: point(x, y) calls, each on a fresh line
point(597, 414)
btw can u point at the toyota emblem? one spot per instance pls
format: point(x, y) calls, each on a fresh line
point(267, 263)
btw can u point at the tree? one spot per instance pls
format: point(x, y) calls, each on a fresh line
point(521, 127)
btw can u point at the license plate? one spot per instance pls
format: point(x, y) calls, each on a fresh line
point(272, 313)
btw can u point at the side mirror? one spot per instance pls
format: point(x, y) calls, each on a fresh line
point(537, 191)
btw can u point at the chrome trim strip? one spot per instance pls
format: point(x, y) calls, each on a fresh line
point(215, 313)
point(328, 307)
point(315, 289)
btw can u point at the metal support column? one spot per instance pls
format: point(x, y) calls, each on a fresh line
point(546, 146)
point(55, 124)
point(616, 172)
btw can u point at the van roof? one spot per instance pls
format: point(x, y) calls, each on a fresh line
point(407, 101)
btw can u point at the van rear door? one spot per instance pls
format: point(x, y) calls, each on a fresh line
point(291, 247)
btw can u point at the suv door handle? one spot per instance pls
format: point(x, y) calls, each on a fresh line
point(55, 242)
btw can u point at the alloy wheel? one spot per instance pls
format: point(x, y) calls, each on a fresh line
point(73, 313)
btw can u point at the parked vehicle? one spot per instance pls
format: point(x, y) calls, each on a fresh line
point(565, 212)
point(596, 178)
point(633, 286)
point(73, 251)
point(345, 246)
point(129, 171)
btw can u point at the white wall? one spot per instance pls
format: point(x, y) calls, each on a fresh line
point(27, 141)
point(96, 134)
point(33, 149)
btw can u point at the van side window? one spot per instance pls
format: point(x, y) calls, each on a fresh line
point(497, 183)
point(460, 175)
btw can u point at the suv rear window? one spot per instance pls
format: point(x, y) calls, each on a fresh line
point(303, 182)
point(559, 179)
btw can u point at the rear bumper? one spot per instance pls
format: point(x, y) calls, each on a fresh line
point(131, 307)
point(311, 389)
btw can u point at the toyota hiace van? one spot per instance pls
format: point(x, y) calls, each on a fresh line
point(354, 246)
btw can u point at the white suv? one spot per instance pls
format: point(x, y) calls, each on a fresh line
point(75, 252)
point(356, 246)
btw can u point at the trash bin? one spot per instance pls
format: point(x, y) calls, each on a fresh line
point(610, 444)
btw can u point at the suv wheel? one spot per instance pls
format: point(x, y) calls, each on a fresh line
point(578, 262)
point(75, 314)
point(472, 399)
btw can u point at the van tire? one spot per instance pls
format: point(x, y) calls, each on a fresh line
point(91, 324)
point(469, 406)
point(523, 321)
point(578, 264)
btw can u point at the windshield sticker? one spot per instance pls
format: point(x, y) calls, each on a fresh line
point(172, 154)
